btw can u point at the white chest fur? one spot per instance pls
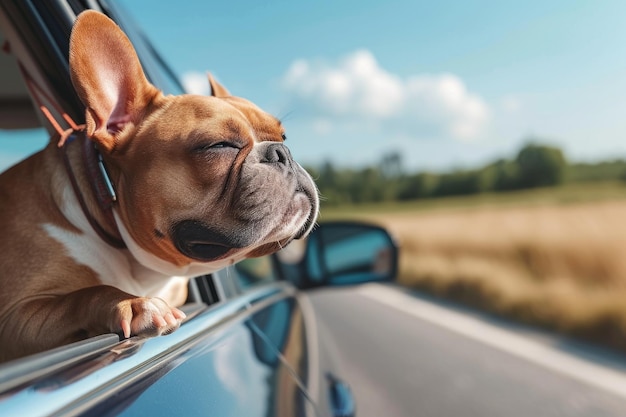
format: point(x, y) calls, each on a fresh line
point(115, 267)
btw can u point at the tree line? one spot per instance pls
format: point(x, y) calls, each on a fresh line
point(535, 165)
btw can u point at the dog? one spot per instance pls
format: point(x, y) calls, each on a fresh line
point(103, 234)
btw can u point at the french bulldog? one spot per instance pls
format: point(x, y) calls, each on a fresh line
point(102, 234)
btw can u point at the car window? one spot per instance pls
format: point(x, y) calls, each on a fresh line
point(17, 139)
point(16, 145)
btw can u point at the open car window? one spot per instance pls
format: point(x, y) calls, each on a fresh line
point(22, 127)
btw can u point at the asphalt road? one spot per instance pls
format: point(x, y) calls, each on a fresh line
point(405, 355)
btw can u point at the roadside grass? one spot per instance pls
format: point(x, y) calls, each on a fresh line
point(554, 257)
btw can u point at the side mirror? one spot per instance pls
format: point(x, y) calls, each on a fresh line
point(340, 253)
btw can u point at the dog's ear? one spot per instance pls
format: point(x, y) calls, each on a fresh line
point(217, 89)
point(108, 77)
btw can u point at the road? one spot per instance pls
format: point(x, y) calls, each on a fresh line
point(407, 355)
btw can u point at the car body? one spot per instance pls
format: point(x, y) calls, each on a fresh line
point(250, 345)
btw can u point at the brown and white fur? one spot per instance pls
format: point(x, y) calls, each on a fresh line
point(201, 183)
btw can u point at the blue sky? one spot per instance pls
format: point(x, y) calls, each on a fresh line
point(448, 84)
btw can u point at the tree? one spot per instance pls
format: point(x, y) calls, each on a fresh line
point(540, 165)
point(459, 183)
point(391, 165)
point(420, 185)
point(505, 175)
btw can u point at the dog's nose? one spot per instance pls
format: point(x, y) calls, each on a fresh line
point(277, 153)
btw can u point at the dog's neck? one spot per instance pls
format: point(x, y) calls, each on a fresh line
point(88, 167)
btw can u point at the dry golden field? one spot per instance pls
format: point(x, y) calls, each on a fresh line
point(562, 266)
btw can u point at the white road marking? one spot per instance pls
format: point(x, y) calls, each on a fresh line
point(500, 338)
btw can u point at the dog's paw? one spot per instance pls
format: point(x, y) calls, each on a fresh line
point(147, 317)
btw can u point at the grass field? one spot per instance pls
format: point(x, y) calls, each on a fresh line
point(553, 257)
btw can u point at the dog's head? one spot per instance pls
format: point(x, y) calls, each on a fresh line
point(200, 180)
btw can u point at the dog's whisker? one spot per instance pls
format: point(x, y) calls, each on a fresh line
point(285, 116)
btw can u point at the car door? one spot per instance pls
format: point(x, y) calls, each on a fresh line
point(233, 368)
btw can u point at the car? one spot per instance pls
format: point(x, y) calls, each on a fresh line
point(250, 345)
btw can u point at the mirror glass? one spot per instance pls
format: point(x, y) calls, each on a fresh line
point(340, 253)
point(355, 253)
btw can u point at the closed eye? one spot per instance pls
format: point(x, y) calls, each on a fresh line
point(214, 146)
point(222, 145)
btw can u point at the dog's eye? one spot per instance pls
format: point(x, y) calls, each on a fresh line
point(220, 145)
point(213, 146)
point(284, 137)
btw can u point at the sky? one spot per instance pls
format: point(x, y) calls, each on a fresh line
point(447, 84)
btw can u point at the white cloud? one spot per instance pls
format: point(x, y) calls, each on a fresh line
point(196, 83)
point(357, 89)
